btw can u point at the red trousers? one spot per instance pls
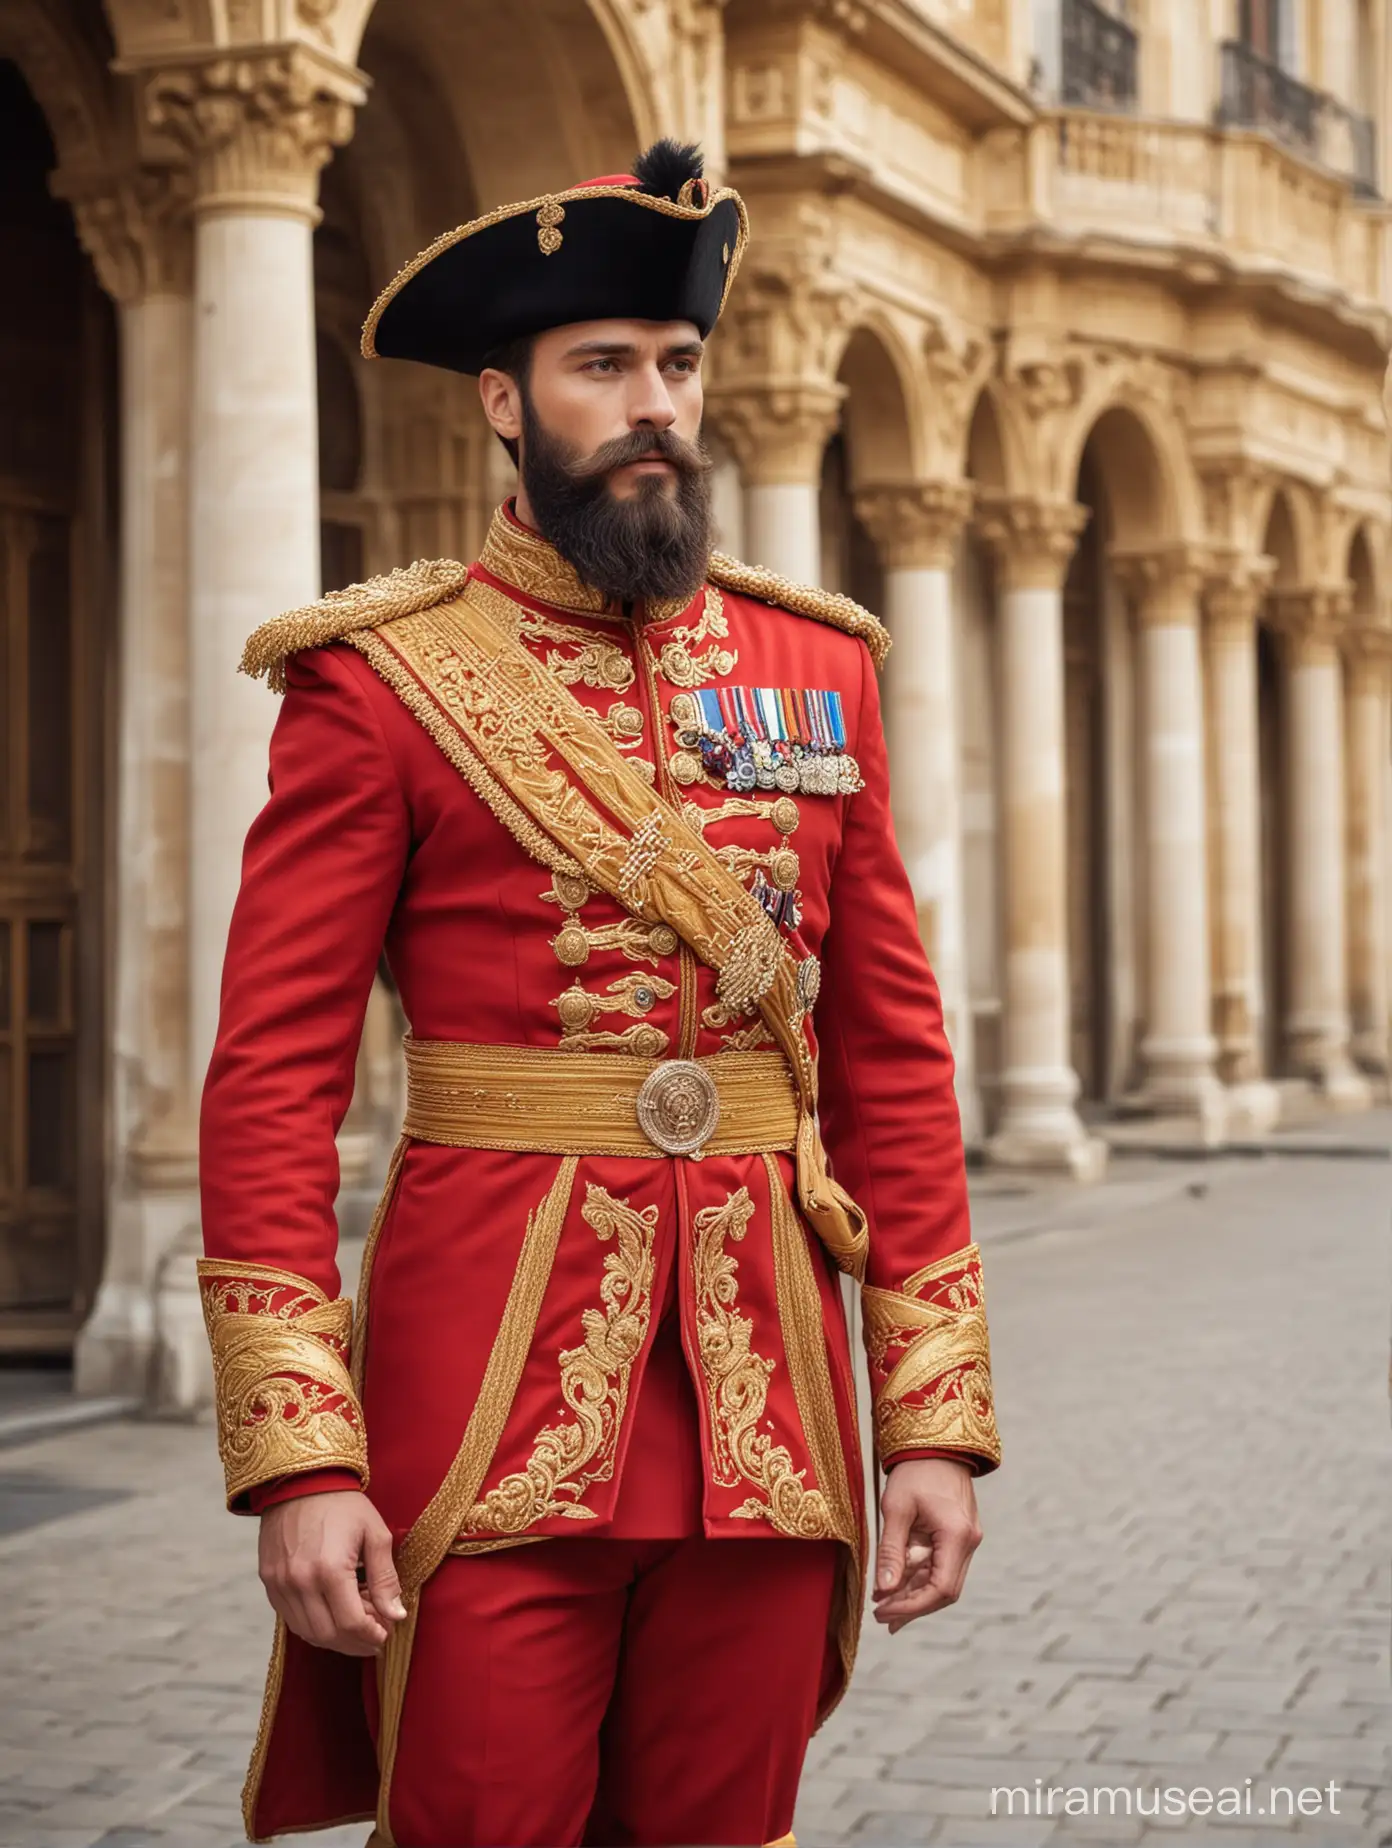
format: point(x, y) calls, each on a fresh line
point(608, 1692)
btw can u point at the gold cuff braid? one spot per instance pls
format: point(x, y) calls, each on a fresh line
point(930, 1359)
point(285, 1402)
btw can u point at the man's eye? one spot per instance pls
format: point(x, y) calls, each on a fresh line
point(602, 365)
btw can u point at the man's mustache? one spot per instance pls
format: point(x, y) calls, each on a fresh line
point(688, 458)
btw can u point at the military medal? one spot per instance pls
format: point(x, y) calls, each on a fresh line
point(784, 738)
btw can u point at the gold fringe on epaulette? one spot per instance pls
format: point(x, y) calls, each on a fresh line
point(404, 592)
point(803, 599)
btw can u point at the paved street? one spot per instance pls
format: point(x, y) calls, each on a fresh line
point(1184, 1583)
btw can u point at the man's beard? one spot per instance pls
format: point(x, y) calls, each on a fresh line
point(655, 545)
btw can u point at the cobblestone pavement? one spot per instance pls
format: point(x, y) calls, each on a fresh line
point(1184, 1583)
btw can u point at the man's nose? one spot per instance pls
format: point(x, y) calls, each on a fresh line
point(650, 405)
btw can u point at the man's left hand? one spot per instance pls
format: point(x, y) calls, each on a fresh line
point(929, 1534)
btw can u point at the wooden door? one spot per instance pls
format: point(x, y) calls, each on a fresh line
point(55, 388)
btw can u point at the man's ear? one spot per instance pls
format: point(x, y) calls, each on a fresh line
point(502, 402)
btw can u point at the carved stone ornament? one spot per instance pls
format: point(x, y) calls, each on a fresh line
point(916, 524)
point(1033, 539)
point(135, 227)
point(257, 128)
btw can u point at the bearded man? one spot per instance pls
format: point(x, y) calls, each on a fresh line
point(616, 809)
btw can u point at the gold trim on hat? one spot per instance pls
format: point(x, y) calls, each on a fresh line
point(549, 202)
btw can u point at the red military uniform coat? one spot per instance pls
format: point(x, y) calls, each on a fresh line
point(657, 1392)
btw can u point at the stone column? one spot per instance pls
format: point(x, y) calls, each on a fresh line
point(257, 129)
point(1369, 658)
point(916, 530)
point(1178, 1049)
point(135, 228)
point(1033, 541)
point(778, 434)
point(1317, 1025)
point(1232, 600)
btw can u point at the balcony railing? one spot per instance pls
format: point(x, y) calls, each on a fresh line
point(1099, 58)
point(1351, 146)
point(1259, 94)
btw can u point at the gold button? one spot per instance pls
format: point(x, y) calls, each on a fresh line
point(649, 1042)
point(683, 712)
point(663, 940)
point(784, 815)
point(572, 944)
point(627, 721)
point(641, 767)
point(576, 1009)
point(685, 768)
point(783, 868)
point(571, 891)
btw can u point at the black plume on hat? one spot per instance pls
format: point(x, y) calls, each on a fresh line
point(667, 166)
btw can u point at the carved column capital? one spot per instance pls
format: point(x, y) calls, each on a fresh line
point(1163, 583)
point(1234, 590)
point(1312, 621)
point(916, 524)
point(1033, 540)
point(777, 431)
point(135, 227)
point(1368, 653)
point(256, 128)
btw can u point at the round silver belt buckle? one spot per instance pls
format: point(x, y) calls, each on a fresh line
point(678, 1107)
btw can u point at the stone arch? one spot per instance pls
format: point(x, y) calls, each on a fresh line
point(530, 110)
point(63, 61)
point(1281, 540)
point(994, 457)
point(571, 42)
point(1364, 577)
point(878, 418)
point(1140, 466)
point(1287, 522)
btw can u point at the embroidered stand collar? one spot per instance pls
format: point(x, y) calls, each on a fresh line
point(522, 559)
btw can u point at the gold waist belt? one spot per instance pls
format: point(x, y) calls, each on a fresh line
point(542, 1101)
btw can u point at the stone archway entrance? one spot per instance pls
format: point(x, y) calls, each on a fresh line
point(56, 366)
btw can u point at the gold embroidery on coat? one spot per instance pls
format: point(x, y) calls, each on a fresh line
point(718, 1016)
point(805, 599)
point(526, 728)
point(580, 658)
point(630, 937)
point(634, 995)
point(931, 1360)
point(736, 1381)
point(675, 662)
point(568, 1457)
point(284, 1396)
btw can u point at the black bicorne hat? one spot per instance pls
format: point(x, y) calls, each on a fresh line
point(656, 244)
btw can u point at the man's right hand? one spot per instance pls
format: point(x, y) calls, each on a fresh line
point(310, 1550)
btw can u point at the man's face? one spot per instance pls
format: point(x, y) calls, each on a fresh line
point(597, 382)
point(611, 468)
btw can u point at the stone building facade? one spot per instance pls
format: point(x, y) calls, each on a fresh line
point(1060, 342)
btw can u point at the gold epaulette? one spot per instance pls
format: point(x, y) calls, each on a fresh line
point(803, 599)
point(404, 592)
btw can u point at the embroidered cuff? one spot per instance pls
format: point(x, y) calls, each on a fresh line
point(285, 1402)
point(930, 1361)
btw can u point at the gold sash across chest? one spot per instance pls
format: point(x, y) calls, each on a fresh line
point(553, 776)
